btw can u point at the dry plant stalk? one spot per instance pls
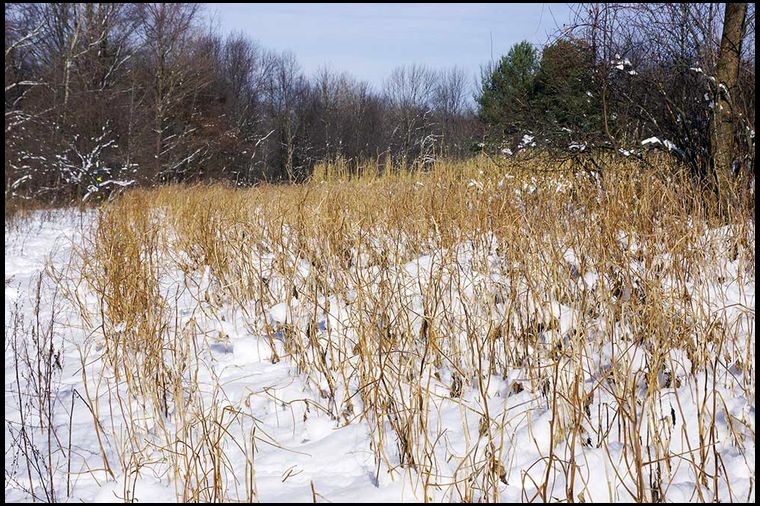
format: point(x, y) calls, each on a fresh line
point(405, 292)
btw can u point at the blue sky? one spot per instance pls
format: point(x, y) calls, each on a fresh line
point(369, 40)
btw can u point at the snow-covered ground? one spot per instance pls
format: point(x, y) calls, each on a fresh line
point(270, 421)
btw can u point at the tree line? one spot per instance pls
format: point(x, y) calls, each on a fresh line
point(99, 96)
point(102, 96)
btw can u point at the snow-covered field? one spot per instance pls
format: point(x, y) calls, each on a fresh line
point(438, 402)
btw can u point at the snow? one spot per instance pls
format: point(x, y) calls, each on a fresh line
point(527, 140)
point(300, 450)
point(20, 180)
point(475, 184)
point(623, 64)
point(651, 140)
point(117, 183)
point(669, 145)
point(279, 313)
point(575, 146)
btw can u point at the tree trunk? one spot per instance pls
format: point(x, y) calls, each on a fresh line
point(727, 76)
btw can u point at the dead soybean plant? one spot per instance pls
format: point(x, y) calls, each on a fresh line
point(407, 293)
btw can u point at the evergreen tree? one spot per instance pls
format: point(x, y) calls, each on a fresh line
point(564, 90)
point(506, 91)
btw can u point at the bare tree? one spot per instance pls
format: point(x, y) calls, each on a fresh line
point(450, 104)
point(285, 88)
point(167, 30)
point(409, 90)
